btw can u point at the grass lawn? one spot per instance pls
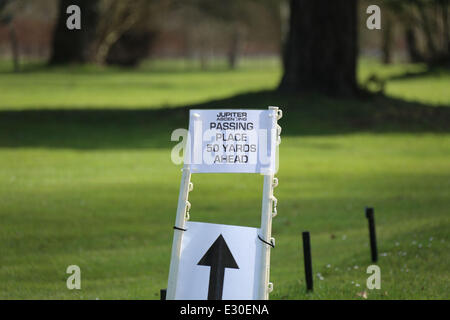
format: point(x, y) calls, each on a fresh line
point(163, 84)
point(152, 86)
point(89, 181)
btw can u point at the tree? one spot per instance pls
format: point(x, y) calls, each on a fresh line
point(321, 48)
point(231, 21)
point(75, 46)
point(112, 31)
point(8, 8)
point(212, 18)
point(387, 37)
point(433, 24)
point(127, 29)
point(426, 20)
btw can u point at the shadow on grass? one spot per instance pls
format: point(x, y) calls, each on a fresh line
point(152, 128)
point(435, 71)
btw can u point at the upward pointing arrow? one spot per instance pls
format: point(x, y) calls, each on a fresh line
point(218, 257)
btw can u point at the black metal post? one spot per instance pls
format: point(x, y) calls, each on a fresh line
point(307, 259)
point(163, 294)
point(373, 239)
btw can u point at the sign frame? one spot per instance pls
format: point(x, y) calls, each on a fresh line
point(269, 210)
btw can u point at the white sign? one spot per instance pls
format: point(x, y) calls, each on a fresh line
point(218, 262)
point(234, 140)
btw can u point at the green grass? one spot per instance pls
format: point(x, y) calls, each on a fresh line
point(96, 187)
point(411, 82)
point(168, 83)
point(152, 86)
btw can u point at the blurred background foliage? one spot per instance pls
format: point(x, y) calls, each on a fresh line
point(127, 32)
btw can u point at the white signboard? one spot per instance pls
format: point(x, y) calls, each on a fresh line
point(241, 141)
point(218, 262)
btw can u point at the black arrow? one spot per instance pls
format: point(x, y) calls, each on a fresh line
point(218, 257)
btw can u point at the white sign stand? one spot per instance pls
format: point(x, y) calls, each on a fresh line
point(269, 210)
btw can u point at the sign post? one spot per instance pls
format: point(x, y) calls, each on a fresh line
point(180, 221)
point(211, 261)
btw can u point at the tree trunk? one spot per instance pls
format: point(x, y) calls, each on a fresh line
point(14, 46)
point(446, 32)
point(131, 48)
point(75, 46)
point(411, 45)
point(387, 39)
point(321, 49)
point(233, 51)
point(446, 29)
point(427, 30)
